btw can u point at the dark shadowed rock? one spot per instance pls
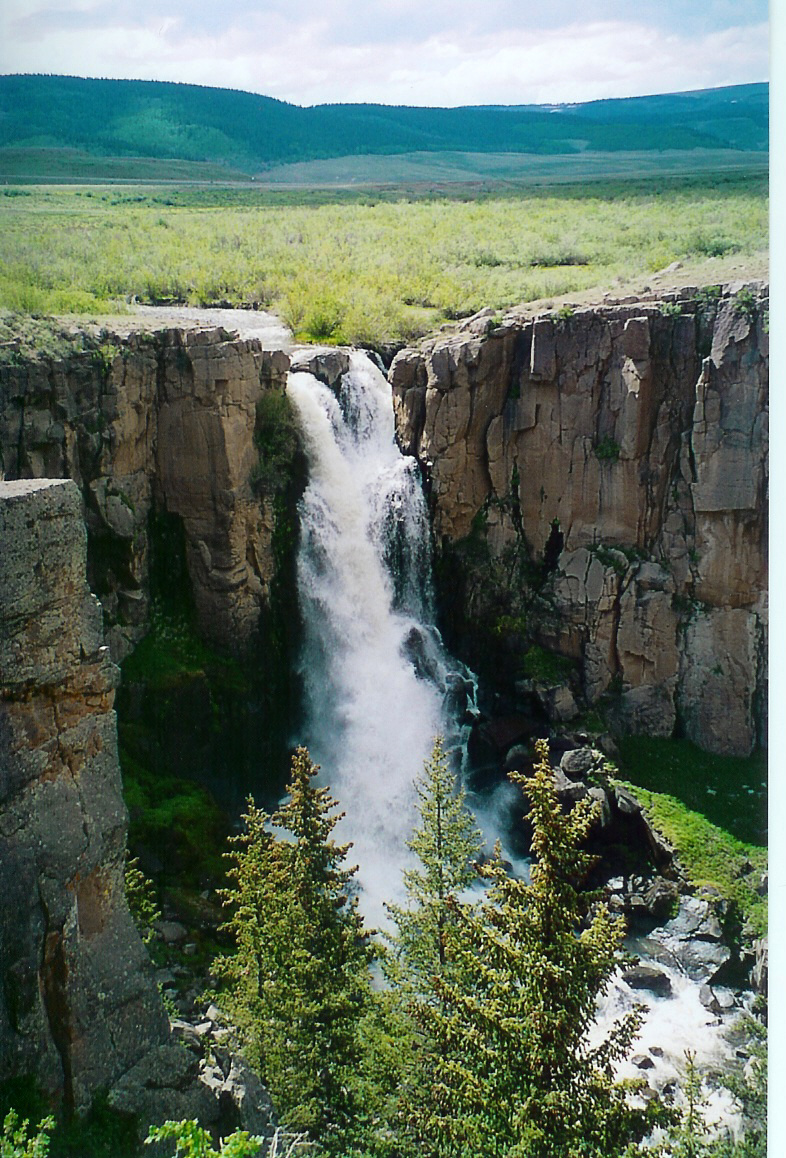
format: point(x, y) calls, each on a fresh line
point(661, 898)
point(578, 763)
point(648, 977)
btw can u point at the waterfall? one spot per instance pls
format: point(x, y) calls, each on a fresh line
point(379, 685)
point(378, 682)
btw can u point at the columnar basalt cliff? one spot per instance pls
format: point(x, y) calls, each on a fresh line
point(78, 1004)
point(165, 421)
point(598, 482)
point(597, 479)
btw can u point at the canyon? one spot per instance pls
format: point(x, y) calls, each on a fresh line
point(596, 482)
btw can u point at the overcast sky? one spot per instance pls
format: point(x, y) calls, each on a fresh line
point(423, 52)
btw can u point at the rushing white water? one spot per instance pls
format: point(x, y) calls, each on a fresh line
point(378, 683)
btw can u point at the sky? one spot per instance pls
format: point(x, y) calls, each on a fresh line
point(419, 52)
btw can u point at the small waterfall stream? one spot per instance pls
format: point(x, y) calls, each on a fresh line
point(378, 683)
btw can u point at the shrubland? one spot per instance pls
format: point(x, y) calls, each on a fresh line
point(368, 269)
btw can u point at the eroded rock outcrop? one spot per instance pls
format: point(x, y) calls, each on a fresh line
point(80, 1012)
point(78, 1002)
point(160, 420)
point(639, 432)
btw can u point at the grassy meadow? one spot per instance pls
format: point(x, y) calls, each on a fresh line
point(367, 268)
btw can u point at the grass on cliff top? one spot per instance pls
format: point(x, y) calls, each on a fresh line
point(369, 270)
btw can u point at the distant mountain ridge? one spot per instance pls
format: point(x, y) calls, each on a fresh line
point(249, 133)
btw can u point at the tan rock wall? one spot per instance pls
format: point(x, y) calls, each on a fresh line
point(79, 1005)
point(164, 419)
point(637, 427)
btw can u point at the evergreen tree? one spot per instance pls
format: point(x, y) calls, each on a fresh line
point(299, 982)
point(446, 843)
point(515, 1074)
point(419, 950)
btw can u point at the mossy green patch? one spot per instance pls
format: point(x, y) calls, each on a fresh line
point(709, 855)
point(546, 667)
point(172, 653)
point(176, 819)
point(730, 791)
point(276, 439)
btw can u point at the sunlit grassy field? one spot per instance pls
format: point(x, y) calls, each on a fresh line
point(367, 269)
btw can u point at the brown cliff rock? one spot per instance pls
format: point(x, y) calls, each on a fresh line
point(165, 421)
point(642, 429)
point(79, 1002)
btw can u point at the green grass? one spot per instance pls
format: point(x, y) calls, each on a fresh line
point(366, 270)
point(709, 855)
point(429, 168)
point(728, 790)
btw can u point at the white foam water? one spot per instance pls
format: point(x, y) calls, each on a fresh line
point(379, 686)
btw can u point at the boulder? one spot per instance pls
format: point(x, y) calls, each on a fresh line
point(648, 977)
point(692, 941)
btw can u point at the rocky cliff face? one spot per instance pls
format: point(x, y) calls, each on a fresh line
point(166, 421)
point(78, 1005)
point(80, 1012)
point(598, 486)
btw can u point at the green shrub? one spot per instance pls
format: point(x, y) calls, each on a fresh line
point(141, 898)
point(20, 1140)
point(745, 304)
point(276, 440)
point(607, 449)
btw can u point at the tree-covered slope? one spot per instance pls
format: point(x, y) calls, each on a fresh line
point(249, 132)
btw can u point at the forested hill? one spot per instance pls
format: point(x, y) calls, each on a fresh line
point(248, 133)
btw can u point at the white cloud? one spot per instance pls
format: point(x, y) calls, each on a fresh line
point(302, 51)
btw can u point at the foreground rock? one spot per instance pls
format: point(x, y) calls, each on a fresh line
point(79, 1003)
point(80, 1011)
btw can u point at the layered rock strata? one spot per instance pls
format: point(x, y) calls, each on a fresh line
point(633, 438)
point(78, 1004)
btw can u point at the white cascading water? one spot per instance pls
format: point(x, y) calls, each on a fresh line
point(378, 683)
